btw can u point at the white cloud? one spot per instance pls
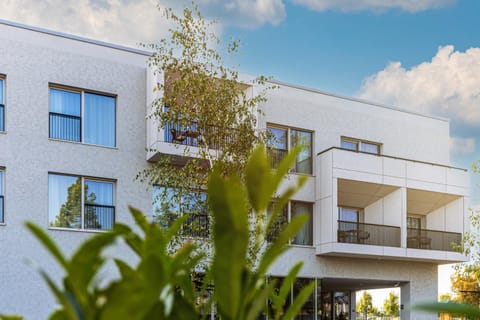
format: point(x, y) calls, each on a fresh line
point(376, 5)
point(245, 13)
point(462, 145)
point(119, 21)
point(448, 85)
point(130, 22)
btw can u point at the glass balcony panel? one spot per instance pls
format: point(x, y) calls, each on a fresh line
point(369, 234)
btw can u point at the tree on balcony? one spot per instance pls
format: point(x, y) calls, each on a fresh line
point(204, 109)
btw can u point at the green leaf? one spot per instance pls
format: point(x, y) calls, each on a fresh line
point(230, 231)
point(86, 262)
point(450, 307)
point(278, 301)
point(299, 301)
point(10, 317)
point(47, 243)
point(276, 248)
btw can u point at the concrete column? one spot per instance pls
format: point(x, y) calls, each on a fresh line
point(403, 230)
point(405, 300)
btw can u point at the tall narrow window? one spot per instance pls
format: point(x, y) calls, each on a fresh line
point(82, 117)
point(65, 115)
point(2, 198)
point(2, 106)
point(80, 203)
point(99, 120)
point(303, 163)
point(283, 140)
point(278, 144)
point(305, 235)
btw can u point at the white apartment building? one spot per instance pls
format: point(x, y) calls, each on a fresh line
point(384, 201)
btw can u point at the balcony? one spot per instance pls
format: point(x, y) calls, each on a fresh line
point(195, 137)
point(384, 191)
point(367, 233)
point(197, 226)
point(99, 217)
point(433, 240)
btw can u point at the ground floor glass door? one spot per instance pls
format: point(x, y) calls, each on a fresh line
point(335, 305)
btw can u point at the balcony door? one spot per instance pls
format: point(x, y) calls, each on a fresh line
point(348, 219)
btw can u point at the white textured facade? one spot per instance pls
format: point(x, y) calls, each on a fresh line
point(410, 176)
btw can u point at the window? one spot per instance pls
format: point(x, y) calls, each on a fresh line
point(2, 198)
point(309, 310)
point(82, 117)
point(2, 105)
point(80, 203)
point(349, 215)
point(305, 234)
point(284, 139)
point(168, 205)
point(360, 145)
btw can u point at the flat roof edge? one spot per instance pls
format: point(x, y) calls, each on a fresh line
point(74, 37)
point(281, 83)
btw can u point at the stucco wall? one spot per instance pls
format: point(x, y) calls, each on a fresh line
point(30, 62)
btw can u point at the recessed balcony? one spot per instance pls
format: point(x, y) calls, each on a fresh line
point(367, 202)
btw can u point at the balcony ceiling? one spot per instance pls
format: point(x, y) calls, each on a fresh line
point(422, 202)
point(360, 194)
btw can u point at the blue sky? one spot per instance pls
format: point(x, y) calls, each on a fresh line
point(421, 55)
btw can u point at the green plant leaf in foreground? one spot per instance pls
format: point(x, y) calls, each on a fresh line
point(453, 308)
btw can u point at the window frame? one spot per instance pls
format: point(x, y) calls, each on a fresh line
point(287, 212)
point(83, 203)
point(82, 93)
point(2, 104)
point(2, 196)
point(359, 143)
point(288, 130)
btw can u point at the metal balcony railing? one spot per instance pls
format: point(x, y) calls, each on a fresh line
point(99, 217)
point(433, 239)
point(2, 207)
point(2, 117)
point(369, 234)
point(194, 136)
point(65, 127)
point(197, 226)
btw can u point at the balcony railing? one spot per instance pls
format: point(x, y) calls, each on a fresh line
point(2, 216)
point(65, 127)
point(99, 217)
point(432, 239)
point(369, 234)
point(194, 136)
point(2, 117)
point(196, 225)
